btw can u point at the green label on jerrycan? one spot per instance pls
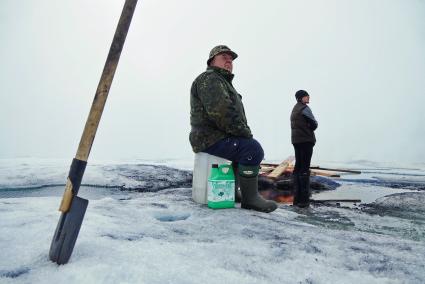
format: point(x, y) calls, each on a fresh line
point(221, 187)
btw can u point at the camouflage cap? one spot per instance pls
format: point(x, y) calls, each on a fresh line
point(221, 49)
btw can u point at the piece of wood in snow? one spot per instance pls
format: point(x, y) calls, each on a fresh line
point(278, 171)
point(336, 170)
point(266, 169)
point(316, 168)
point(323, 173)
point(269, 165)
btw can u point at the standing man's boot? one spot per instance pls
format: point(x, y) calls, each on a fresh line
point(295, 180)
point(251, 199)
point(238, 193)
point(302, 187)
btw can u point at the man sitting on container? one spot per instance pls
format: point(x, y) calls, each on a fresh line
point(219, 126)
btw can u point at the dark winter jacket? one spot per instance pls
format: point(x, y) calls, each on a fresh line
point(216, 109)
point(303, 124)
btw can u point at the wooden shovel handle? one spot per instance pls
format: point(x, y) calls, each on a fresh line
point(105, 82)
point(92, 123)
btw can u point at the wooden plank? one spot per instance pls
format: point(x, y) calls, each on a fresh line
point(269, 165)
point(336, 170)
point(266, 169)
point(315, 168)
point(323, 173)
point(278, 171)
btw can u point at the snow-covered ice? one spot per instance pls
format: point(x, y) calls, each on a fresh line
point(144, 228)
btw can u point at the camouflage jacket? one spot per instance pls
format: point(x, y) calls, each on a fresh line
point(216, 109)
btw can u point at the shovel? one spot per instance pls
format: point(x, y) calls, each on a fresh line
point(72, 206)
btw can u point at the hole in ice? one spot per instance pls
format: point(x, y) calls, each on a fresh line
point(164, 217)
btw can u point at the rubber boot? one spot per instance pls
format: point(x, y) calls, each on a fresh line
point(302, 190)
point(238, 193)
point(295, 181)
point(251, 199)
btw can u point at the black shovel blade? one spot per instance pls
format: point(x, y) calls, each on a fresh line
point(67, 231)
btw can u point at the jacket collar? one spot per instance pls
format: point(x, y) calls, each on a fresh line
point(223, 72)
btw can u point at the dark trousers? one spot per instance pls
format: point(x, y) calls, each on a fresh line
point(244, 151)
point(303, 153)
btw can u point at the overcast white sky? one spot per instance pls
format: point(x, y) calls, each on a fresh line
point(363, 63)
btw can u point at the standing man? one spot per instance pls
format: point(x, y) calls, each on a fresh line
point(219, 126)
point(303, 125)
